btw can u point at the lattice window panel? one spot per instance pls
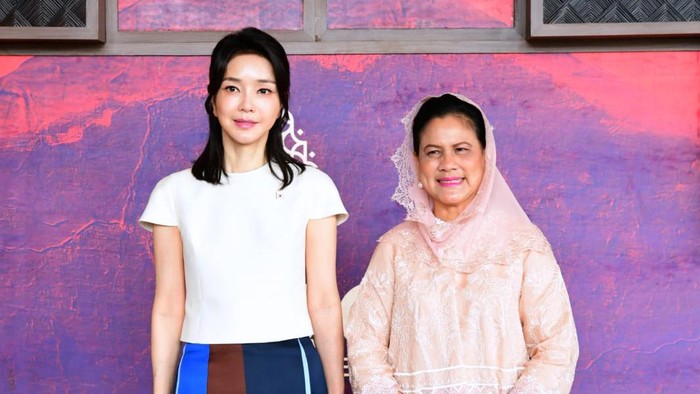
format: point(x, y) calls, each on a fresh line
point(620, 11)
point(43, 13)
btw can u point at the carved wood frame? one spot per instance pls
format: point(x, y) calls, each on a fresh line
point(538, 30)
point(94, 30)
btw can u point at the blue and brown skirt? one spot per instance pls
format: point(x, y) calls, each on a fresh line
point(289, 367)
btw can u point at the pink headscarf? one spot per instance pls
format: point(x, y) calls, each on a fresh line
point(493, 228)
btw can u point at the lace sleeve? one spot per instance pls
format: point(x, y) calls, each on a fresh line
point(548, 327)
point(369, 325)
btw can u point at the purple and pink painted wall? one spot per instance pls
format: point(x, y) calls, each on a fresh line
point(602, 150)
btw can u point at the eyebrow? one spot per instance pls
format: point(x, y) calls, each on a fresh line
point(240, 80)
point(440, 146)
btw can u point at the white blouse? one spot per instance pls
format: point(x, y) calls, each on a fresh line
point(244, 250)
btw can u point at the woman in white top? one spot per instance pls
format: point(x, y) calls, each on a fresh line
point(244, 245)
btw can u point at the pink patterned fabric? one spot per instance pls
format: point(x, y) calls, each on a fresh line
point(475, 305)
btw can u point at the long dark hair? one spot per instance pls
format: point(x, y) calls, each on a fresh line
point(209, 166)
point(447, 104)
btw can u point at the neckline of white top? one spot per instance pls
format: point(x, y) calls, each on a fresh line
point(246, 173)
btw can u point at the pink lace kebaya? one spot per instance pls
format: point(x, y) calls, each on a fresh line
point(472, 304)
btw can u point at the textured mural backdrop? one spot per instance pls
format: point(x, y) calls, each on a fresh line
point(419, 14)
point(198, 15)
point(602, 150)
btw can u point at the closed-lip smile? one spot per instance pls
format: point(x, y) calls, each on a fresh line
point(245, 123)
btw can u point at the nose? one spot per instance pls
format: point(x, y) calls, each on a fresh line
point(447, 162)
point(246, 103)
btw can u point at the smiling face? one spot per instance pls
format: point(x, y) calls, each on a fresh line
point(247, 103)
point(451, 164)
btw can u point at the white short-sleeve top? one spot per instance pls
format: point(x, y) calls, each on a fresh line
point(244, 245)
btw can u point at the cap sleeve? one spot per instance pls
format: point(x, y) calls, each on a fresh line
point(161, 207)
point(326, 199)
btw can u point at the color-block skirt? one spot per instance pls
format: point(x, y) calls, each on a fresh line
point(289, 367)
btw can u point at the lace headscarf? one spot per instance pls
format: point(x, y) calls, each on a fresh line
point(493, 228)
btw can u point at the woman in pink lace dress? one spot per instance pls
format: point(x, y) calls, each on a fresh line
point(464, 296)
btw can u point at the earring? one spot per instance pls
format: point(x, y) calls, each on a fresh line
point(419, 185)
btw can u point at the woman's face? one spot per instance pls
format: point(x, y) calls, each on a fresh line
point(451, 164)
point(247, 103)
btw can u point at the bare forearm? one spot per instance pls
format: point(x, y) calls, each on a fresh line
point(168, 306)
point(328, 336)
point(323, 299)
point(165, 348)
